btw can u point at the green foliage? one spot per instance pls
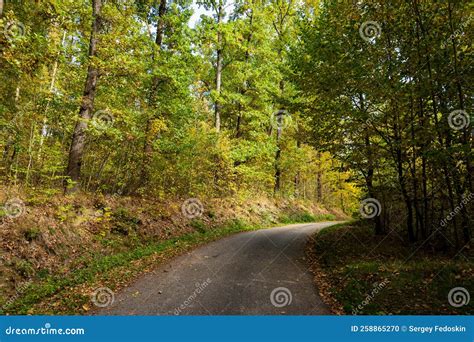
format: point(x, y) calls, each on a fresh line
point(363, 117)
point(24, 268)
point(355, 262)
point(198, 225)
point(31, 234)
point(151, 130)
point(304, 216)
point(123, 222)
point(382, 105)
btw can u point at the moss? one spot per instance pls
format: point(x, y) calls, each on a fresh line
point(31, 234)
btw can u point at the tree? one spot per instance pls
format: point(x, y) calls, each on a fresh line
point(76, 152)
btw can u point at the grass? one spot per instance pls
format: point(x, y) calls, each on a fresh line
point(360, 273)
point(70, 293)
point(302, 217)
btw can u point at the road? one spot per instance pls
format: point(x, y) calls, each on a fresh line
point(262, 272)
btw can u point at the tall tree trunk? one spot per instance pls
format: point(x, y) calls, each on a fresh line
point(160, 31)
point(298, 173)
point(458, 78)
point(319, 181)
point(152, 96)
point(44, 128)
point(449, 168)
point(406, 196)
point(217, 108)
point(277, 163)
point(245, 85)
point(279, 121)
point(466, 224)
point(379, 229)
point(413, 169)
point(424, 176)
point(76, 152)
point(370, 185)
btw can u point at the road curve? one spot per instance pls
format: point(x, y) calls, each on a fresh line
point(262, 272)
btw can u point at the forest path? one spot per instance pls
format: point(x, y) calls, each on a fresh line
point(262, 272)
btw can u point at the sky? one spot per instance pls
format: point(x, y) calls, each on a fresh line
point(198, 11)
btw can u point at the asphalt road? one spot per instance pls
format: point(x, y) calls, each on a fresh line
point(261, 272)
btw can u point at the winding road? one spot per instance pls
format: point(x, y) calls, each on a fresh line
point(262, 272)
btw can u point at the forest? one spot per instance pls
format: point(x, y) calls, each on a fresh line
point(360, 108)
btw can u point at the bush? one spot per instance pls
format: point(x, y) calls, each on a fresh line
point(123, 222)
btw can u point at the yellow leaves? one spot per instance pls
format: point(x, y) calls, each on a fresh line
point(155, 128)
point(158, 126)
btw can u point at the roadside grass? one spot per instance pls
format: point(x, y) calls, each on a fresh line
point(302, 217)
point(71, 293)
point(359, 273)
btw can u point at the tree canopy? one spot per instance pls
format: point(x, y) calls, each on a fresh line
point(337, 102)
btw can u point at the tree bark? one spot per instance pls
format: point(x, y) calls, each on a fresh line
point(160, 31)
point(217, 108)
point(76, 152)
point(369, 183)
point(155, 81)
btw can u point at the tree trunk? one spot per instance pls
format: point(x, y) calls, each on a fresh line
point(279, 121)
point(160, 30)
point(155, 81)
point(319, 187)
point(370, 186)
point(277, 164)
point(406, 197)
point(458, 76)
point(85, 112)
point(238, 132)
point(413, 169)
point(379, 229)
point(217, 108)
